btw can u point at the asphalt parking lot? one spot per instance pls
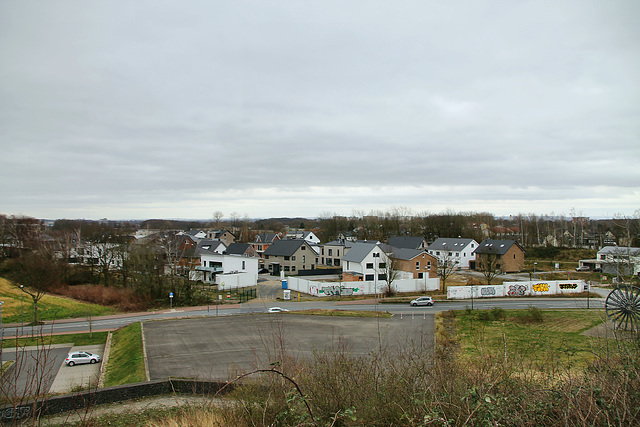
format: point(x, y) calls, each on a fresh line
point(224, 347)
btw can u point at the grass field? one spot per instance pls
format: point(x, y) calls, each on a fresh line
point(49, 307)
point(536, 337)
point(126, 359)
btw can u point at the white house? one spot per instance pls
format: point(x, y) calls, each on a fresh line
point(227, 271)
point(616, 259)
point(365, 261)
point(459, 251)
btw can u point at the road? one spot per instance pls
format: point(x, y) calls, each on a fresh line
point(118, 321)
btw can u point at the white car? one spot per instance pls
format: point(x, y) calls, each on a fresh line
point(277, 310)
point(422, 301)
point(80, 357)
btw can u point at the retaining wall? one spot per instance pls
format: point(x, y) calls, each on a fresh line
point(81, 401)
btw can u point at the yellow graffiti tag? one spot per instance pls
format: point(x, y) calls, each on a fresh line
point(541, 287)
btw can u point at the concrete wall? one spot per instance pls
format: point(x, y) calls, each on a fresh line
point(517, 289)
point(316, 288)
point(85, 400)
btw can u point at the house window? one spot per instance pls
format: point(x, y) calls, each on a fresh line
point(437, 252)
point(293, 258)
point(338, 252)
point(293, 267)
point(286, 258)
point(330, 252)
point(428, 265)
point(337, 262)
point(369, 265)
point(382, 277)
point(286, 268)
point(417, 265)
point(243, 266)
point(376, 255)
point(420, 275)
point(369, 277)
point(303, 248)
point(329, 261)
point(382, 265)
point(304, 259)
point(270, 266)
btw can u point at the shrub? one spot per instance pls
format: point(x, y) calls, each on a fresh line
point(498, 313)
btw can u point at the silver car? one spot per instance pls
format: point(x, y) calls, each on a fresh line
point(80, 357)
point(422, 301)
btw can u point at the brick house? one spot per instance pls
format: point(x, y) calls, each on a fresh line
point(505, 255)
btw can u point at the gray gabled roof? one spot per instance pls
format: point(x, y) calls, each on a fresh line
point(407, 254)
point(267, 237)
point(500, 247)
point(620, 250)
point(359, 252)
point(208, 246)
point(450, 244)
point(238, 248)
point(408, 242)
point(285, 247)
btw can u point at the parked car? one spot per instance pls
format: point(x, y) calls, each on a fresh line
point(80, 357)
point(277, 310)
point(582, 268)
point(422, 301)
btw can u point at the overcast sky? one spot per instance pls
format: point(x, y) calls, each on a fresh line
point(177, 109)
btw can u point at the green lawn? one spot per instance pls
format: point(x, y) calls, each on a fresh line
point(50, 307)
point(520, 334)
point(126, 363)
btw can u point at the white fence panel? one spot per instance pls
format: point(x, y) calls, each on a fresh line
point(359, 288)
point(517, 289)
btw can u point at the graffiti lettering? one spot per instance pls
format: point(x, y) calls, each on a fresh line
point(541, 287)
point(568, 286)
point(487, 291)
point(16, 413)
point(516, 290)
point(337, 290)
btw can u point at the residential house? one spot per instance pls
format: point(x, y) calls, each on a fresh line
point(332, 252)
point(263, 241)
point(509, 253)
point(365, 261)
point(208, 246)
point(290, 256)
point(230, 269)
point(418, 264)
point(614, 260)
point(195, 234)
point(308, 236)
point(408, 242)
point(242, 249)
point(223, 235)
point(459, 251)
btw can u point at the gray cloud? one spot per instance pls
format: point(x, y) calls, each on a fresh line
point(150, 109)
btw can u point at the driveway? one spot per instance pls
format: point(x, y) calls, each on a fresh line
point(224, 347)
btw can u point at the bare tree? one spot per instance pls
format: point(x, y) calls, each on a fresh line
point(488, 263)
point(38, 271)
point(447, 265)
point(389, 272)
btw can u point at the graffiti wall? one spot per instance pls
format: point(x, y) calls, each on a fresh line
point(517, 289)
point(359, 288)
